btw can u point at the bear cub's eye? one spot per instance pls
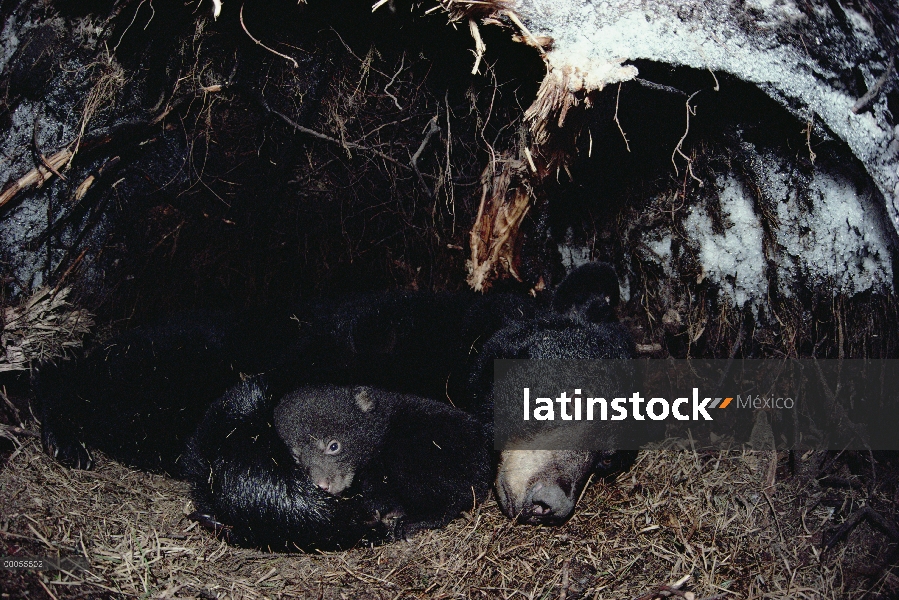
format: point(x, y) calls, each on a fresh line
point(333, 447)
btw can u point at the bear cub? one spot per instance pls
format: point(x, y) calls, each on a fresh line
point(415, 463)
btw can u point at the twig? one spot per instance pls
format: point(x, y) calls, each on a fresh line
point(664, 591)
point(296, 65)
point(36, 148)
point(133, 19)
point(865, 102)
point(36, 177)
point(12, 407)
point(678, 150)
point(717, 87)
point(774, 512)
point(18, 536)
point(77, 202)
point(46, 589)
point(328, 138)
point(433, 128)
point(450, 187)
point(13, 430)
point(71, 268)
point(527, 155)
point(857, 517)
point(808, 142)
point(617, 122)
point(102, 38)
point(823, 470)
point(94, 219)
point(392, 79)
point(563, 594)
point(39, 175)
point(85, 185)
point(534, 41)
point(479, 46)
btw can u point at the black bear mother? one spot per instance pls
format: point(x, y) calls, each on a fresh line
point(141, 397)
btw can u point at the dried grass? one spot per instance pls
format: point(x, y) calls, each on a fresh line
point(679, 512)
point(44, 327)
point(108, 84)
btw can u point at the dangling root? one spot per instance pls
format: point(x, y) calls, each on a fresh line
point(505, 201)
point(556, 116)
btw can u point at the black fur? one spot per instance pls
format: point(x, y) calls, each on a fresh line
point(581, 324)
point(247, 487)
point(416, 463)
point(589, 293)
point(408, 342)
point(141, 396)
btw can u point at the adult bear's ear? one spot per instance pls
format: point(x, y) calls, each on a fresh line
point(363, 399)
point(591, 291)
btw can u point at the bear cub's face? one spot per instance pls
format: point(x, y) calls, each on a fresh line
point(332, 432)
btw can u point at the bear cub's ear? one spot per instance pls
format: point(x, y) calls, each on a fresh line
point(363, 399)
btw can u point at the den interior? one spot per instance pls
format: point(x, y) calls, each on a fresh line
point(159, 159)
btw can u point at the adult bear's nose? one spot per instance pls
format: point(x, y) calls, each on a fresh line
point(546, 504)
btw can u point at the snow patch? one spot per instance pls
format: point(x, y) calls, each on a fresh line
point(88, 31)
point(572, 254)
point(16, 229)
point(830, 239)
point(9, 41)
point(661, 249)
point(776, 12)
point(734, 260)
point(705, 35)
point(858, 21)
point(624, 288)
